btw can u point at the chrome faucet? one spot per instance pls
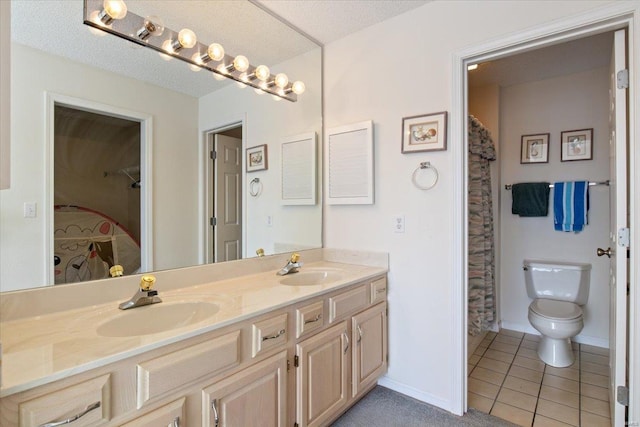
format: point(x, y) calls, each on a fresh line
point(292, 265)
point(145, 295)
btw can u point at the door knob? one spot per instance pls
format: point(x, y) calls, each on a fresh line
point(606, 252)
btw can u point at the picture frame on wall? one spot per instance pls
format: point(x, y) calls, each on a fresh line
point(576, 145)
point(257, 158)
point(534, 148)
point(427, 132)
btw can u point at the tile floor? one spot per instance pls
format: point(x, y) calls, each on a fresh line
point(508, 380)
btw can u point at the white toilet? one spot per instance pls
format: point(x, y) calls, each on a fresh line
point(558, 290)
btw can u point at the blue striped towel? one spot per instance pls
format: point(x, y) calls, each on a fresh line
point(570, 205)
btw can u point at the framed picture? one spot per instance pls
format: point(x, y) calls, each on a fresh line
point(257, 158)
point(424, 133)
point(576, 145)
point(534, 148)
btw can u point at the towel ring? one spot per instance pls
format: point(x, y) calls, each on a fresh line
point(255, 187)
point(425, 176)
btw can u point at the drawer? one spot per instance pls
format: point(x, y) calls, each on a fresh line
point(171, 371)
point(309, 318)
point(169, 415)
point(268, 334)
point(70, 402)
point(378, 290)
point(347, 303)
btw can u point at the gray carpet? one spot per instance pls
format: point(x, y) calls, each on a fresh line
point(385, 407)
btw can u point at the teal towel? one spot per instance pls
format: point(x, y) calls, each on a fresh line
point(530, 199)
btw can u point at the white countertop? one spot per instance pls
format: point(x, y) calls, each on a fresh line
point(42, 349)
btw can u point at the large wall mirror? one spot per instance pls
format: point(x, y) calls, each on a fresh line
point(78, 98)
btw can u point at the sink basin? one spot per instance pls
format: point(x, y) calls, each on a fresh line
point(151, 319)
point(310, 278)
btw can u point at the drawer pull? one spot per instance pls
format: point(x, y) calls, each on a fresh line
point(214, 407)
point(346, 347)
point(318, 317)
point(359, 334)
point(274, 336)
point(381, 290)
point(175, 422)
point(88, 409)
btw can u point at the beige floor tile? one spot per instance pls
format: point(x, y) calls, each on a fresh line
point(526, 374)
point(480, 403)
point(470, 368)
point(595, 406)
point(558, 412)
point(499, 355)
point(531, 337)
point(594, 368)
point(560, 396)
point(595, 358)
point(600, 393)
point(517, 399)
point(602, 351)
point(487, 341)
point(561, 383)
point(527, 352)
point(510, 413)
point(474, 359)
point(568, 373)
point(486, 375)
point(494, 365)
point(507, 348)
point(592, 420)
point(542, 421)
point(511, 333)
point(524, 386)
point(506, 339)
point(595, 379)
point(533, 345)
point(483, 388)
point(525, 362)
point(480, 350)
point(491, 334)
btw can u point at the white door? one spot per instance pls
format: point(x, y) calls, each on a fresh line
point(227, 209)
point(618, 250)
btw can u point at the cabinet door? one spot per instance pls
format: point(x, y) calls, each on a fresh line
point(170, 415)
point(322, 375)
point(369, 346)
point(254, 397)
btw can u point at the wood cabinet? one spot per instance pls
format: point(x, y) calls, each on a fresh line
point(369, 332)
point(170, 415)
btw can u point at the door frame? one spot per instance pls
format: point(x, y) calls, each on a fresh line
point(146, 167)
point(206, 170)
point(608, 18)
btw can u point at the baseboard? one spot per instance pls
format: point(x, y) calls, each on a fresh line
point(580, 339)
point(415, 393)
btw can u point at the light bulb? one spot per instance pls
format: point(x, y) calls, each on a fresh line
point(153, 26)
point(116, 9)
point(259, 91)
point(222, 69)
point(281, 80)
point(298, 87)
point(198, 60)
point(241, 63)
point(276, 98)
point(262, 72)
point(187, 38)
point(167, 45)
point(218, 76)
point(215, 51)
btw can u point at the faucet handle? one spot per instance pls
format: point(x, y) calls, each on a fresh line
point(260, 252)
point(116, 271)
point(147, 282)
point(295, 257)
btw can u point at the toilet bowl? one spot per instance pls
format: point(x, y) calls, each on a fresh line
point(557, 322)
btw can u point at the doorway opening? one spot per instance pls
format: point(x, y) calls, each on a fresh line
point(224, 199)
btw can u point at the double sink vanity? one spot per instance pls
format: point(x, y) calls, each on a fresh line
point(232, 344)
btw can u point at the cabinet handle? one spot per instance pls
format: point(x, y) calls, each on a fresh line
point(274, 336)
point(214, 407)
point(175, 422)
point(318, 317)
point(359, 334)
point(86, 410)
point(381, 290)
point(346, 347)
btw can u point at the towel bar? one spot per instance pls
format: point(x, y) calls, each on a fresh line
point(591, 184)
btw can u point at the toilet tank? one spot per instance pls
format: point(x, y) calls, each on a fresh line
point(557, 280)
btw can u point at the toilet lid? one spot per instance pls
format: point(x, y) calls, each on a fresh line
point(560, 310)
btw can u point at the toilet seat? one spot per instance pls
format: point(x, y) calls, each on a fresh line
point(555, 310)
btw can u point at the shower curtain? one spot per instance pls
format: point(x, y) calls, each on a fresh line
point(482, 309)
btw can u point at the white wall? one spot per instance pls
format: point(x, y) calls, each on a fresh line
point(5, 87)
point(269, 122)
point(402, 67)
point(175, 146)
point(576, 101)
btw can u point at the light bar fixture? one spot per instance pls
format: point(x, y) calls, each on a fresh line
point(112, 16)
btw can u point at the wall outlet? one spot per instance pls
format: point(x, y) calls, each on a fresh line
point(398, 224)
point(30, 209)
point(269, 221)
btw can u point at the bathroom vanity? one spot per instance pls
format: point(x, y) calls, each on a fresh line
point(253, 350)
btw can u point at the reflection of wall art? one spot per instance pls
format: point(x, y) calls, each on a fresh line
point(535, 148)
point(576, 145)
point(298, 158)
point(257, 158)
point(424, 133)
